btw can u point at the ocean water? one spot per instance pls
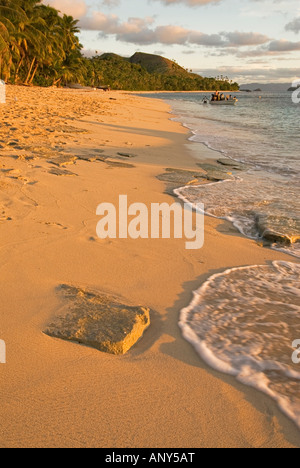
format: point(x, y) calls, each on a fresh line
point(262, 200)
point(244, 321)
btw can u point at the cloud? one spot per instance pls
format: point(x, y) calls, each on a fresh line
point(190, 2)
point(76, 8)
point(89, 53)
point(246, 74)
point(293, 26)
point(170, 35)
point(273, 48)
point(141, 31)
point(207, 40)
point(111, 3)
point(245, 39)
point(268, 4)
point(283, 46)
point(100, 22)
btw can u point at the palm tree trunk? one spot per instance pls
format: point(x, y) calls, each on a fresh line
point(56, 82)
point(30, 70)
point(33, 74)
point(18, 69)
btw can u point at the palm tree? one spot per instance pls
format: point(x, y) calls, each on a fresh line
point(23, 35)
point(9, 16)
point(4, 48)
point(35, 37)
point(70, 28)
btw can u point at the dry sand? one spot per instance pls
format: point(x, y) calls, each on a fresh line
point(60, 394)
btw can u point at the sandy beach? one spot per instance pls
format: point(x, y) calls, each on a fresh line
point(59, 159)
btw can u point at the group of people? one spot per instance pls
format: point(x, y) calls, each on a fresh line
point(217, 96)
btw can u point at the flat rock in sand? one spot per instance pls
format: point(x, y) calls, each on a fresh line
point(234, 165)
point(127, 155)
point(181, 176)
point(64, 160)
point(215, 174)
point(62, 172)
point(99, 321)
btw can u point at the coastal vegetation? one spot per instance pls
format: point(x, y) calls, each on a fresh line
point(40, 46)
point(145, 72)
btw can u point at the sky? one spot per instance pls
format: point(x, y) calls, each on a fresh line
point(246, 40)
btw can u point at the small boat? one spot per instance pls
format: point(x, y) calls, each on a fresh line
point(224, 102)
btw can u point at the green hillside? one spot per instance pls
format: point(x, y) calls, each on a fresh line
point(157, 64)
point(147, 72)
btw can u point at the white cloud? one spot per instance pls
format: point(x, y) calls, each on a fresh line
point(141, 31)
point(100, 22)
point(245, 39)
point(190, 2)
point(246, 74)
point(76, 8)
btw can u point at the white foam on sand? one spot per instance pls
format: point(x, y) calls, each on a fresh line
point(243, 322)
point(249, 206)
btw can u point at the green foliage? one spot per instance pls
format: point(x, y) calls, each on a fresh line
point(145, 72)
point(39, 46)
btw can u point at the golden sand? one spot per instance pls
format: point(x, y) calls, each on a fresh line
point(59, 158)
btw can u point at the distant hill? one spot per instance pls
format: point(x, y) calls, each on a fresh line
point(157, 64)
point(266, 87)
point(148, 72)
point(111, 55)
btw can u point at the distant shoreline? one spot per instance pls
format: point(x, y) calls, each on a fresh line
point(90, 88)
point(179, 92)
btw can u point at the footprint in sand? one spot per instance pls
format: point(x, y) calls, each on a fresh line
point(62, 173)
point(127, 155)
point(16, 175)
point(3, 216)
point(102, 241)
point(57, 225)
point(11, 172)
point(27, 181)
point(63, 160)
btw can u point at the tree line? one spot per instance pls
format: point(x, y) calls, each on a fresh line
point(37, 45)
point(120, 73)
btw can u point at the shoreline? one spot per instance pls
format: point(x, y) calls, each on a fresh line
point(190, 335)
point(61, 394)
point(208, 156)
point(179, 92)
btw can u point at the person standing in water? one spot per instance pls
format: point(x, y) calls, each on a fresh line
point(216, 96)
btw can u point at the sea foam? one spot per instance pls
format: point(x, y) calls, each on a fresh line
point(243, 322)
